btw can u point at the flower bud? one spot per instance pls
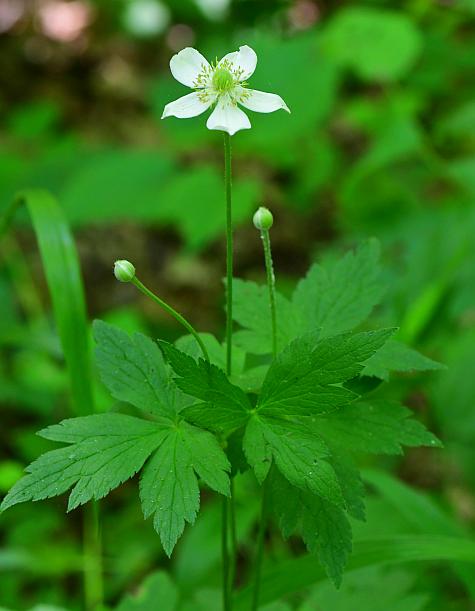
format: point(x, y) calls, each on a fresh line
point(263, 219)
point(124, 271)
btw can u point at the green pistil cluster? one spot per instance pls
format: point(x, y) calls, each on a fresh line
point(218, 79)
point(223, 80)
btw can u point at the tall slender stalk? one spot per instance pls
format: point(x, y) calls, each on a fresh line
point(265, 486)
point(271, 286)
point(229, 252)
point(228, 565)
point(93, 574)
point(260, 546)
point(234, 544)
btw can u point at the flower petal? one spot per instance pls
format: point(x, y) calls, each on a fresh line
point(259, 101)
point(244, 61)
point(190, 105)
point(187, 65)
point(227, 117)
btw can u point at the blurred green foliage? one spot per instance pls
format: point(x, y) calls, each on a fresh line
point(381, 141)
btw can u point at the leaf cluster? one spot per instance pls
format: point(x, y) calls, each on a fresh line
point(297, 419)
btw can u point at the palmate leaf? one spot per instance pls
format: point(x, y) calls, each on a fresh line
point(106, 450)
point(169, 486)
point(376, 426)
point(324, 528)
point(396, 356)
point(251, 311)
point(223, 407)
point(302, 380)
point(340, 295)
point(133, 369)
point(334, 298)
point(299, 454)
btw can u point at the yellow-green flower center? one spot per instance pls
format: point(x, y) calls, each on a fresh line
point(223, 80)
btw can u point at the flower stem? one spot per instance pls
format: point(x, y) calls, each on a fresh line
point(143, 289)
point(265, 486)
point(271, 286)
point(229, 252)
point(228, 565)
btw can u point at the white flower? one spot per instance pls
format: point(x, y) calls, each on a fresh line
point(223, 84)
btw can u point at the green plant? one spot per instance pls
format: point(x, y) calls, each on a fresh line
point(313, 397)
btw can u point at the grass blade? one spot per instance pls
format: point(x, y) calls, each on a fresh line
point(63, 275)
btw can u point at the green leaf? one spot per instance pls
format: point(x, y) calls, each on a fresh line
point(339, 296)
point(133, 369)
point(201, 224)
point(63, 275)
point(422, 512)
point(333, 298)
point(379, 426)
point(157, 586)
point(324, 527)
point(300, 454)
point(169, 486)
point(326, 532)
point(371, 589)
point(106, 450)
point(223, 408)
point(396, 356)
point(216, 351)
point(351, 484)
point(100, 190)
point(251, 311)
point(296, 574)
point(302, 379)
point(258, 452)
point(376, 44)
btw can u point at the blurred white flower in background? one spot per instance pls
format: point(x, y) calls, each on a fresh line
point(222, 83)
point(146, 17)
point(214, 9)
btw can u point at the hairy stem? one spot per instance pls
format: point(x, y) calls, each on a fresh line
point(271, 286)
point(265, 486)
point(178, 317)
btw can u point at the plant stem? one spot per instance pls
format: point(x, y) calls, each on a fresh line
point(227, 603)
point(135, 281)
point(93, 584)
point(265, 486)
point(271, 286)
point(229, 252)
point(232, 519)
point(260, 547)
point(228, 566)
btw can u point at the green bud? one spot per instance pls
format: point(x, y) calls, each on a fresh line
point(124, 271)
point(263, 219)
